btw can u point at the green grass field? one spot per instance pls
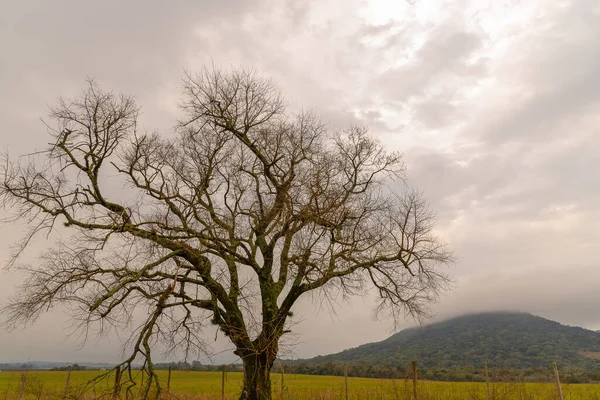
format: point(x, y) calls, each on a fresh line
point(207, 385)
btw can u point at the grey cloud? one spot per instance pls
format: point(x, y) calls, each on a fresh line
point(136, 47)
point(521, 202)
point(437, 113)
point(574, 173)
point(511, 170)
point(448, 49)
point(444, 55)
point(439, 176)
point(557, 79)
point(539, 287)
point(376, 31)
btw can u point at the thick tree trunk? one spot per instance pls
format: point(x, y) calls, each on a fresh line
point(257, 377)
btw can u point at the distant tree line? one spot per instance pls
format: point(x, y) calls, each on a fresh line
point(198, 366)
point(380, 371)
point(14, 367)
point(74, 367)
point(34, 367)
point(540, 374)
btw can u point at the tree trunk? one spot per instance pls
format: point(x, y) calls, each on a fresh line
point(257, 377)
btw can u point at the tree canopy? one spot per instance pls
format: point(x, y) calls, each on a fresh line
point(232, 219)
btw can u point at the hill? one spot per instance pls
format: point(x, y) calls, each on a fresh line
point(505, 339)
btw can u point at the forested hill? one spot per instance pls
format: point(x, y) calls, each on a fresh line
point(505, 340)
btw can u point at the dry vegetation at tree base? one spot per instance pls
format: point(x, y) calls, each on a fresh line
point(207, 385)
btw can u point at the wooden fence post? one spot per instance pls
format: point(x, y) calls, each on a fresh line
point(560, 395)
point(67, 384)
point(415, 379)
point(117, 383)
point(346, 379)
point(223, 383)
point(169, 381)
point(487, 380)
point(23, 379)
point(282, 379)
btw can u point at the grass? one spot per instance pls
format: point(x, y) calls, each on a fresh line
point(207, 386)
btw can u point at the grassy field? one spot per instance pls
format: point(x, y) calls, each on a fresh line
point(207, 386)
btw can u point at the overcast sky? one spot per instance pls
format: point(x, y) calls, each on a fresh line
point(495, 105)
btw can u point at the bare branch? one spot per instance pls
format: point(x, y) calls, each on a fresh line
point(248, 208)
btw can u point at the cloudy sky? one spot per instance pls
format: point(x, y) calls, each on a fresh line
point(495, 105)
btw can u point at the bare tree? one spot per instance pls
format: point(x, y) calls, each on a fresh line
point(248, 208)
